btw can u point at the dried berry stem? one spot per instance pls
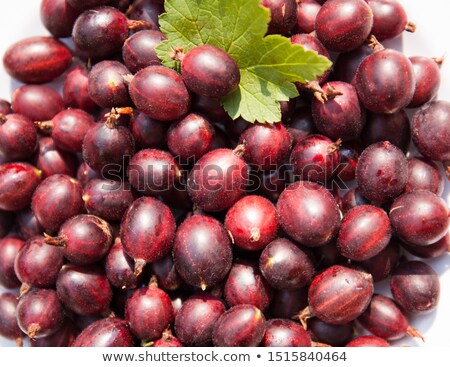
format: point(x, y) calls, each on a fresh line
point(374, 44)
point(410, 27)
point(59, 241)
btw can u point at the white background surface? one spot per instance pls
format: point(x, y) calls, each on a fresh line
point(20, 19)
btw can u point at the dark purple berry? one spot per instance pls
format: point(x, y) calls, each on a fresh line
point(283, 15)
point(9, 248)
point(285, 333)
point(428, 80)
point(58, 16)
point(8, 320)
point(18, 137)
point(109, 332)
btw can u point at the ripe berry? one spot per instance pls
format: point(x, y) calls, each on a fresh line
point(385, 81)
point(39, 313)
point(38, 264)
point(246, 285)
point(423, 174)
point(84, 239)
point(252, 222)
point(415, 286)
point(343, 25)
point(37, 102)
point(283, 15)
point(368, 341)
point(364, 232)
point(18, 181)
point(8, 320)
point(419, 217)
point(313, 206)
point(339, 294)
point(18, 137)
point(209, 71)
point(381, 172)
point(202, 251)
point(109, 332)
point(9, 248)
point(428, 80)
point(240, 326)
point(196, 319)
point(160, 93)
point(56, 199)
point(285, 333)
point(266, 146)
point(37, 60)
point(149, 312)
point(285, 266)
point(218, 180)
point(75, 90)
point(51, 160)
point(138, 51)
point(84, 290)
point(107, 199)
point(147, 231)
point(58, 16)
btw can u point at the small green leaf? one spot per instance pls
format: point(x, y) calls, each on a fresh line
point(269, 65)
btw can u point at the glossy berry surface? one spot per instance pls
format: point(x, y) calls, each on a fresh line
point(18, 137)
point(196, 318)
point(106, 145)
point(385, 81)
point(384, 319)
point(432, 251)
point(37, 102)
point(342, 117)
point(431, 131)
point(240, 326)
point(58, 16)
point(153, 172)
point(119, 268)
point(147, 231)
point(415, 287)
point(84, 290)
point(75, 90)
point(335, 335)
point(191, 137)
point(306, 16)
point(202, 251)
point(343, 25)
point(69, 128)
point(394, 128)
point(285, 266)
point(315, 158)
point(106, 85)
point(147, 132)
point(419, 217)
point(38, 264)
point(51, 161)
point(252, 222)
point(109, 332)
point(148, 313)
point(364, 232)
point(138, 51)
point(382, 264)
point(246, 285)
point(428, 80)
point(313, 206)
point(266, 146)
point(101, 32)
point(423, 174)
point(217, 180)
point(389, 19)
point(347, 64)
point(335, 284)
point(8, 321)
point(160, 93)
point(301, 125)
point(84, 239)
point(107, 199)
point(209, 71)
point(56, 199)
point(37, 60)
point(368, 341)
point(39, 313)
point(17, 184)
point(283, 14)
point(381, 172)
point(285, 333)
point(349, 155)
point(9, 248)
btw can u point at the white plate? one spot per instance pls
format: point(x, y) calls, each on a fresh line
point(19, 20)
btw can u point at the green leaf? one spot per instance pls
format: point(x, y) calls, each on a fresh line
point(269, 65)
